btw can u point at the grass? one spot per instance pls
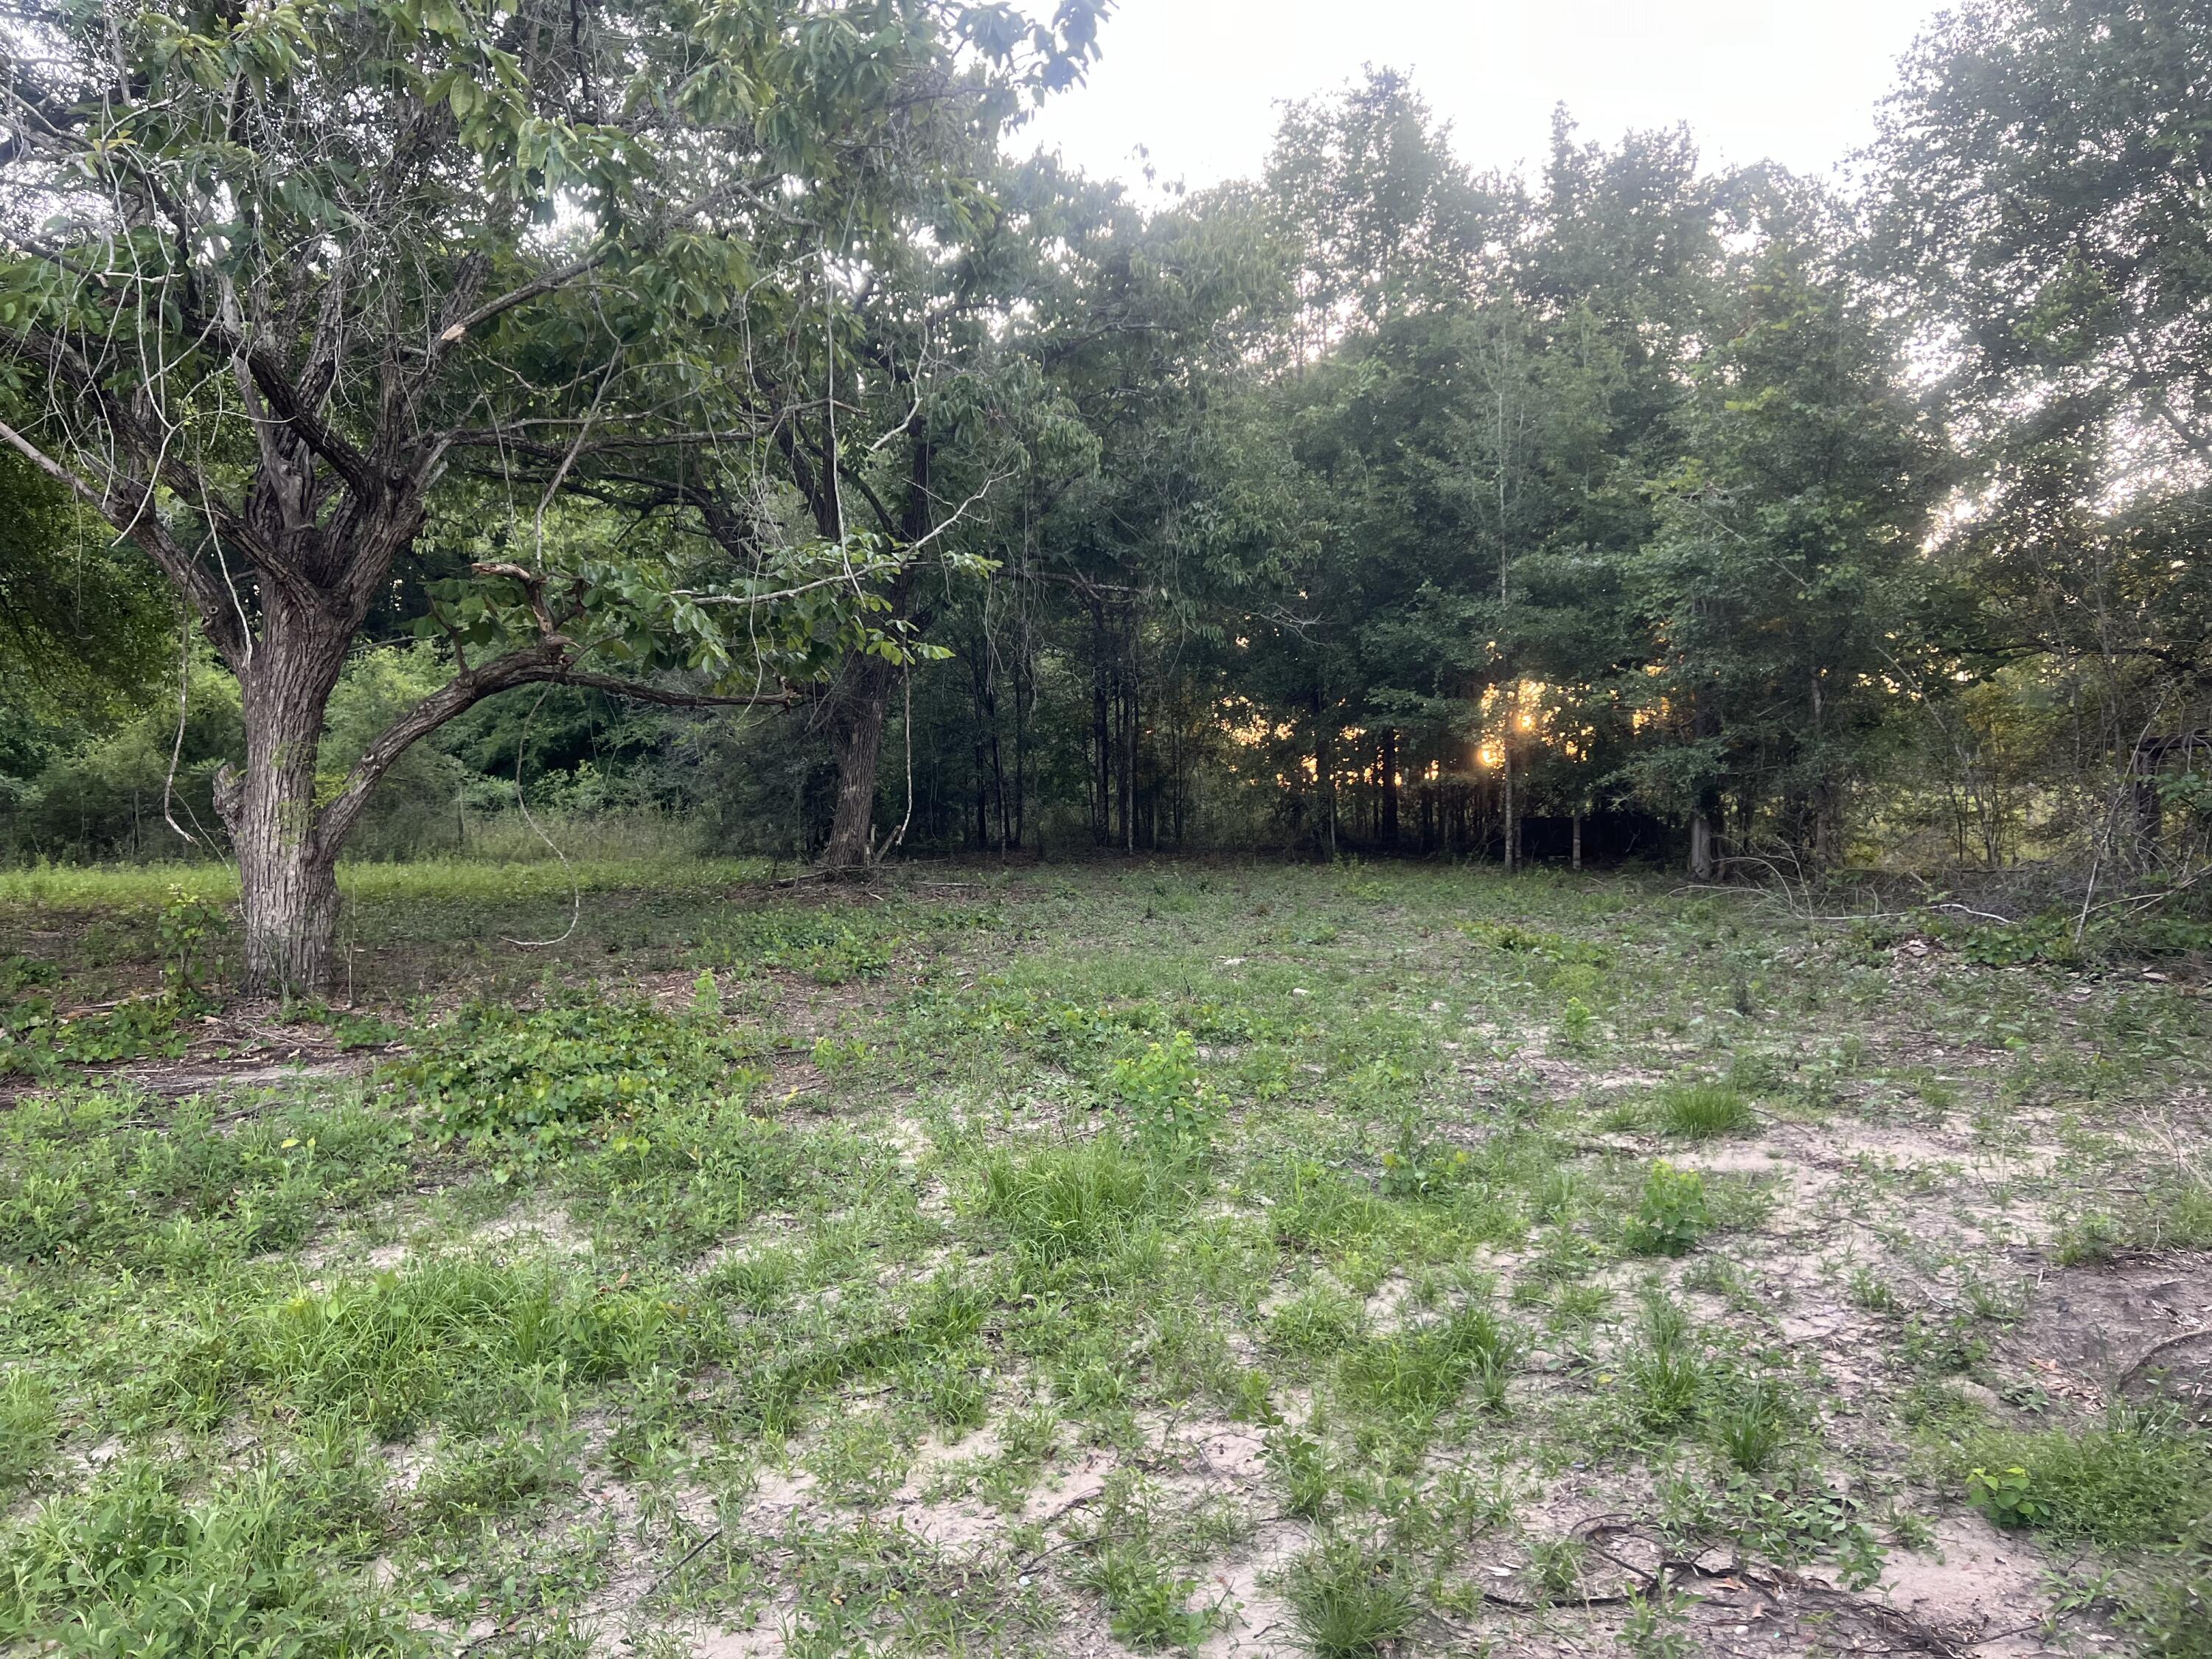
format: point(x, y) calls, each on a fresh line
point(427, 881)
point(1704, 1111)
point(2135, 1479)
point(1350, 1603)
point(1019, 1262)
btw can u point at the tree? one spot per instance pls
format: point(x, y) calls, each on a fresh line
point(2044, 165)
point(287, 279)
point(1785, 562)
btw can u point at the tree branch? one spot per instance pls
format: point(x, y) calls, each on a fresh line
point(143, 525)
point(543, 664)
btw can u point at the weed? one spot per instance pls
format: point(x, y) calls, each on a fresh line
point(1670, 1216)
point(1872, 1292)
point(706, 996)
point(545, 1081)
point(1657, 1626)
point(1169, 1106)
point(2007, 1496)
point(1147, 1604)
point(1576, 1025)
point(1302, 1464)
point(1558, 1569)
point(188, 928)
point(1350, 1603)
point(484, 1482)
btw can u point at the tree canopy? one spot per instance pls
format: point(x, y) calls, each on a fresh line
point(680, 356)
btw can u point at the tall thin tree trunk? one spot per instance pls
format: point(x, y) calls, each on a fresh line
point(1512, 823)
point(1390, 787)
point(1324, 772)
point(1128, 783)
point(1102, 746)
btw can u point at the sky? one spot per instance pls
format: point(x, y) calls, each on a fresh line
point(1197, 82)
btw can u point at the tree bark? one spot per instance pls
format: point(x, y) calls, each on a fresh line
point(1701, 847)
point(1512, 820)
point(856, 733)
point(287, 869)
point(1390, 787)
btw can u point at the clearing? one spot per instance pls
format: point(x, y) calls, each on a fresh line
point(1247, 1259)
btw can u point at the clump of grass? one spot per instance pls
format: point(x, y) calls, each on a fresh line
point(1419, 1373)
point(1350, 1603)
point(1320, 1319)
point(1750, 1425)
point(2138, 1479)
point(28, 1427)
point(1069, 1203)
point(1704, 1111)
point(1666, 1374)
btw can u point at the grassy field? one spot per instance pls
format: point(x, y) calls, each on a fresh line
point(1247, 1259)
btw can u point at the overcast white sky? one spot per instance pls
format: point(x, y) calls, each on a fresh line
point(1197, 82)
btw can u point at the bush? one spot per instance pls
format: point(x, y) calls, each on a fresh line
point(1671, 1215)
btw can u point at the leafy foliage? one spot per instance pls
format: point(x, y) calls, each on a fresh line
point(547, 1081)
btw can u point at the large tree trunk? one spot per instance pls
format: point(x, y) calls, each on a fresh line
point(856, 733)
point(288, 875)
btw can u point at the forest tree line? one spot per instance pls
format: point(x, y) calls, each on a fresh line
point(715, 422)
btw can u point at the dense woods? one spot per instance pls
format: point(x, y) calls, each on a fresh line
point(694, 411)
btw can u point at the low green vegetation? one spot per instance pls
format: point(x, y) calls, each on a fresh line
point(1148, 1254)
